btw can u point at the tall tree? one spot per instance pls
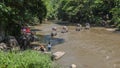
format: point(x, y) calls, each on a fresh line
point(15, 13)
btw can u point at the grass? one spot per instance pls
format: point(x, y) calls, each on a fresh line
point(25, 59)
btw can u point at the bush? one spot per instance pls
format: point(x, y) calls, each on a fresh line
point(26, 59)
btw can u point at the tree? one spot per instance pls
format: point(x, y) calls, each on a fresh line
point(15, 13)
point(93, 11)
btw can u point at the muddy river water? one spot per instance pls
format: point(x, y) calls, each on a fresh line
point(94, 48)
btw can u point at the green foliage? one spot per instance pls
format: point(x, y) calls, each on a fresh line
point(26, 59)
point(118, 26)
point(116, 14)
point(93, 11)
point(20, 12)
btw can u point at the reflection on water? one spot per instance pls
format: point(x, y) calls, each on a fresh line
point(47, 38)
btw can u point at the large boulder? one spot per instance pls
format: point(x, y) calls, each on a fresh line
point(57, 55)
point(11, 41)
point(3, 46)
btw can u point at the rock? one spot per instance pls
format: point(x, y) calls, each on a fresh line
point(73, 66)
point(11, 40)
point(110, 29)
point(107, 57)
point(3, 46)
point(57, 55)
point(34, 43)
point(36, 48)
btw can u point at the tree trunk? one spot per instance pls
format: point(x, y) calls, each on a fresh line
point(2, 31)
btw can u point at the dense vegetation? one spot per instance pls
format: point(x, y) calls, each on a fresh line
point(15, 13)
point(26, 59)
point(100, 12)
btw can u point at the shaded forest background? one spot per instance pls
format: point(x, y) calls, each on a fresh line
point(16, 13)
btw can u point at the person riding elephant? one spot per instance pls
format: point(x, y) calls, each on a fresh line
point(78, 27)
point(64, 29)
point(54, 31)
point(87, 26)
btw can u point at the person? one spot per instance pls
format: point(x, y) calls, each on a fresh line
point(54, 28)
point(65, 29)
point(87, 26)
point(42, 48)
point(78, 27)
point(25, 30)
point(49, 46)
point(28, 30)
point(54, 31)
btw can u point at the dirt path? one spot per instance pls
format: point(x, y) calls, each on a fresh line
point(94, 48)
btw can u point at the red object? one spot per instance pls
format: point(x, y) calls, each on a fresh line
point(27, 30)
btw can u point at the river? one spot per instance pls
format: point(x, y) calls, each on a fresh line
point(94, 48)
